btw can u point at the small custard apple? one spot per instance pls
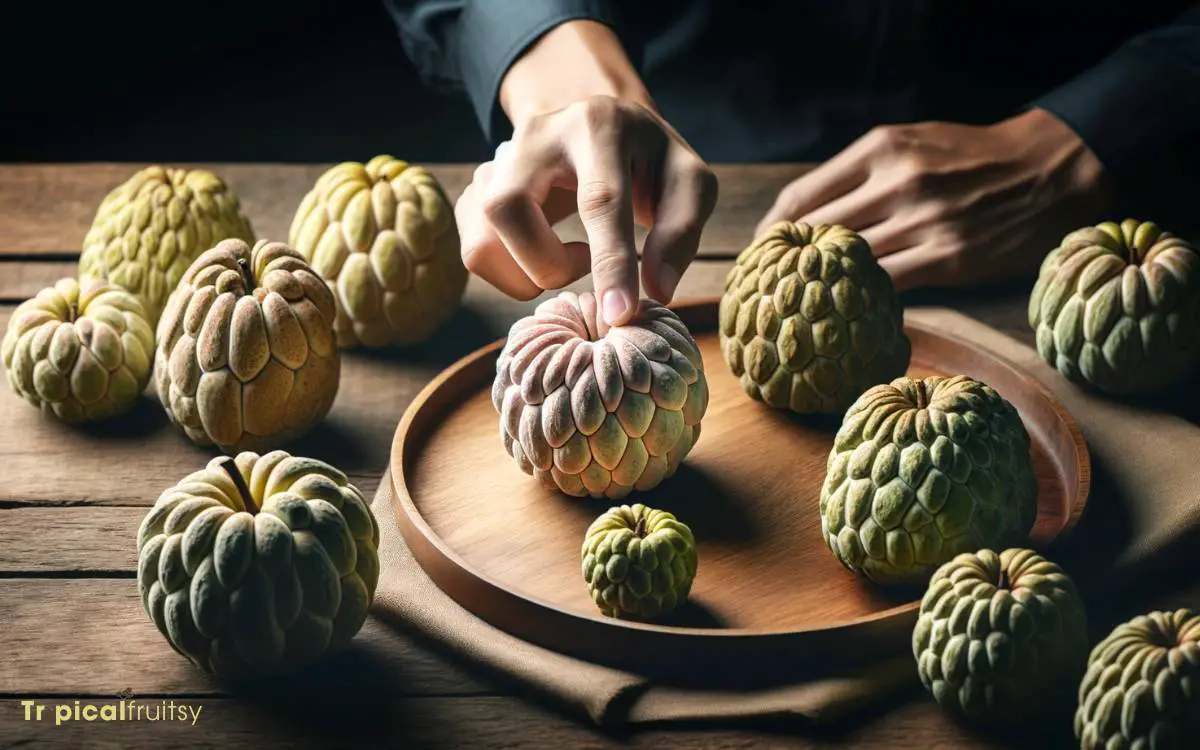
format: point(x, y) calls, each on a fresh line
point(1000, 636)
point(921, 470)
point(810, 320)
point(247, 357)
point(148, 230)
point(80, 352)
point(638, 562)
point(1117, 307)
point(599, 411)
point(259, 564)
point(383, 235)
point(1142, 687)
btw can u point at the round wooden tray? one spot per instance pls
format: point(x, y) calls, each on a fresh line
point(767, 590)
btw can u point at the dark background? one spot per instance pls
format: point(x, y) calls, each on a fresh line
point(260, 80)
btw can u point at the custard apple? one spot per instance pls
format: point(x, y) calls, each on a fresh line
point(1142, 687)
point(148, 231)
point(1000, 636)
point(247, 357)
point(258, 564)
point(639, 563)
point(599, 411)
point(1117, 307)
point(810, 320)
point(922, 470)
point(79, 352)
point(383, 235)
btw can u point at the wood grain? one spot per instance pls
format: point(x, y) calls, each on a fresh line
point(45, 209)
point(333, 721)
point(21, 279)
point(499, 543)
point(69, 541)
point(90, 636)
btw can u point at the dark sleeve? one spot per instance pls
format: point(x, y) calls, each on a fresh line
point(468, 45)
point(1139, 112)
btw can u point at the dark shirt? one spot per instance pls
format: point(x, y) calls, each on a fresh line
point(797, 80)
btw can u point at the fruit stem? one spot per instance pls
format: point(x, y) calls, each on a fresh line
point(922, 395)
point(1003, 583)
point(230, 467)
point(72, 312)
point(639, 528)
point(247, 279)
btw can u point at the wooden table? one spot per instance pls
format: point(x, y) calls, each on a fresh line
point(72, 627)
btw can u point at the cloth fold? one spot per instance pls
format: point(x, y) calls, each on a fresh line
point(1144, 502)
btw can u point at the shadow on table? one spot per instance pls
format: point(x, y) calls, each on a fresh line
point(145, 418)
point(353, 698)
point(467, 331)
point(337, 443)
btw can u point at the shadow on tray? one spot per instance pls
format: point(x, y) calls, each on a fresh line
point(712, 510)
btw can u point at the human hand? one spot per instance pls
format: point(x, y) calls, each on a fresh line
point(616, 163)
point(947, 205)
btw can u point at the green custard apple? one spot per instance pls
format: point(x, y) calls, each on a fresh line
point(638, 562)
point(79, 352)
point(1142, 687)
point(921, 470)
point(149, 229)
point(1117, 307)
point(809, 320)
point(1000, 636)
point(259, 564)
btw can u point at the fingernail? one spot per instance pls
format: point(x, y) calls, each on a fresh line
point(668, 279)
point(615, 305)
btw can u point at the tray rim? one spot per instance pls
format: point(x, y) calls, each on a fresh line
point(411, 522)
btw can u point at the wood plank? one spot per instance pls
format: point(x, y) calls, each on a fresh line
point(322, 721)
point(69, 541)
point(91, 636)
point(22, 279)
point(47, 208)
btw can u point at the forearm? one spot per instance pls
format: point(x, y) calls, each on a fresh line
point(1139, 112)
point(474, 45)
point(574, 61)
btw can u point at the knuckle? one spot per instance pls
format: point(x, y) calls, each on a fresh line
point(878, 136)
point(919, 180)
point(474, 257)
point(949, 257)
point(551, 277)
point(610, 266)
point(600, 112)
point(598, 200)
point(785, 204)
point(532, 127)
point(887, 139)
point(482, 173)
point(501, 203)
point(699, 173)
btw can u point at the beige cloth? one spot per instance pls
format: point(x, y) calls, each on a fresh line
point(1137, 453)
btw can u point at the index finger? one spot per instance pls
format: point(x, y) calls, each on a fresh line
point(605, 197)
